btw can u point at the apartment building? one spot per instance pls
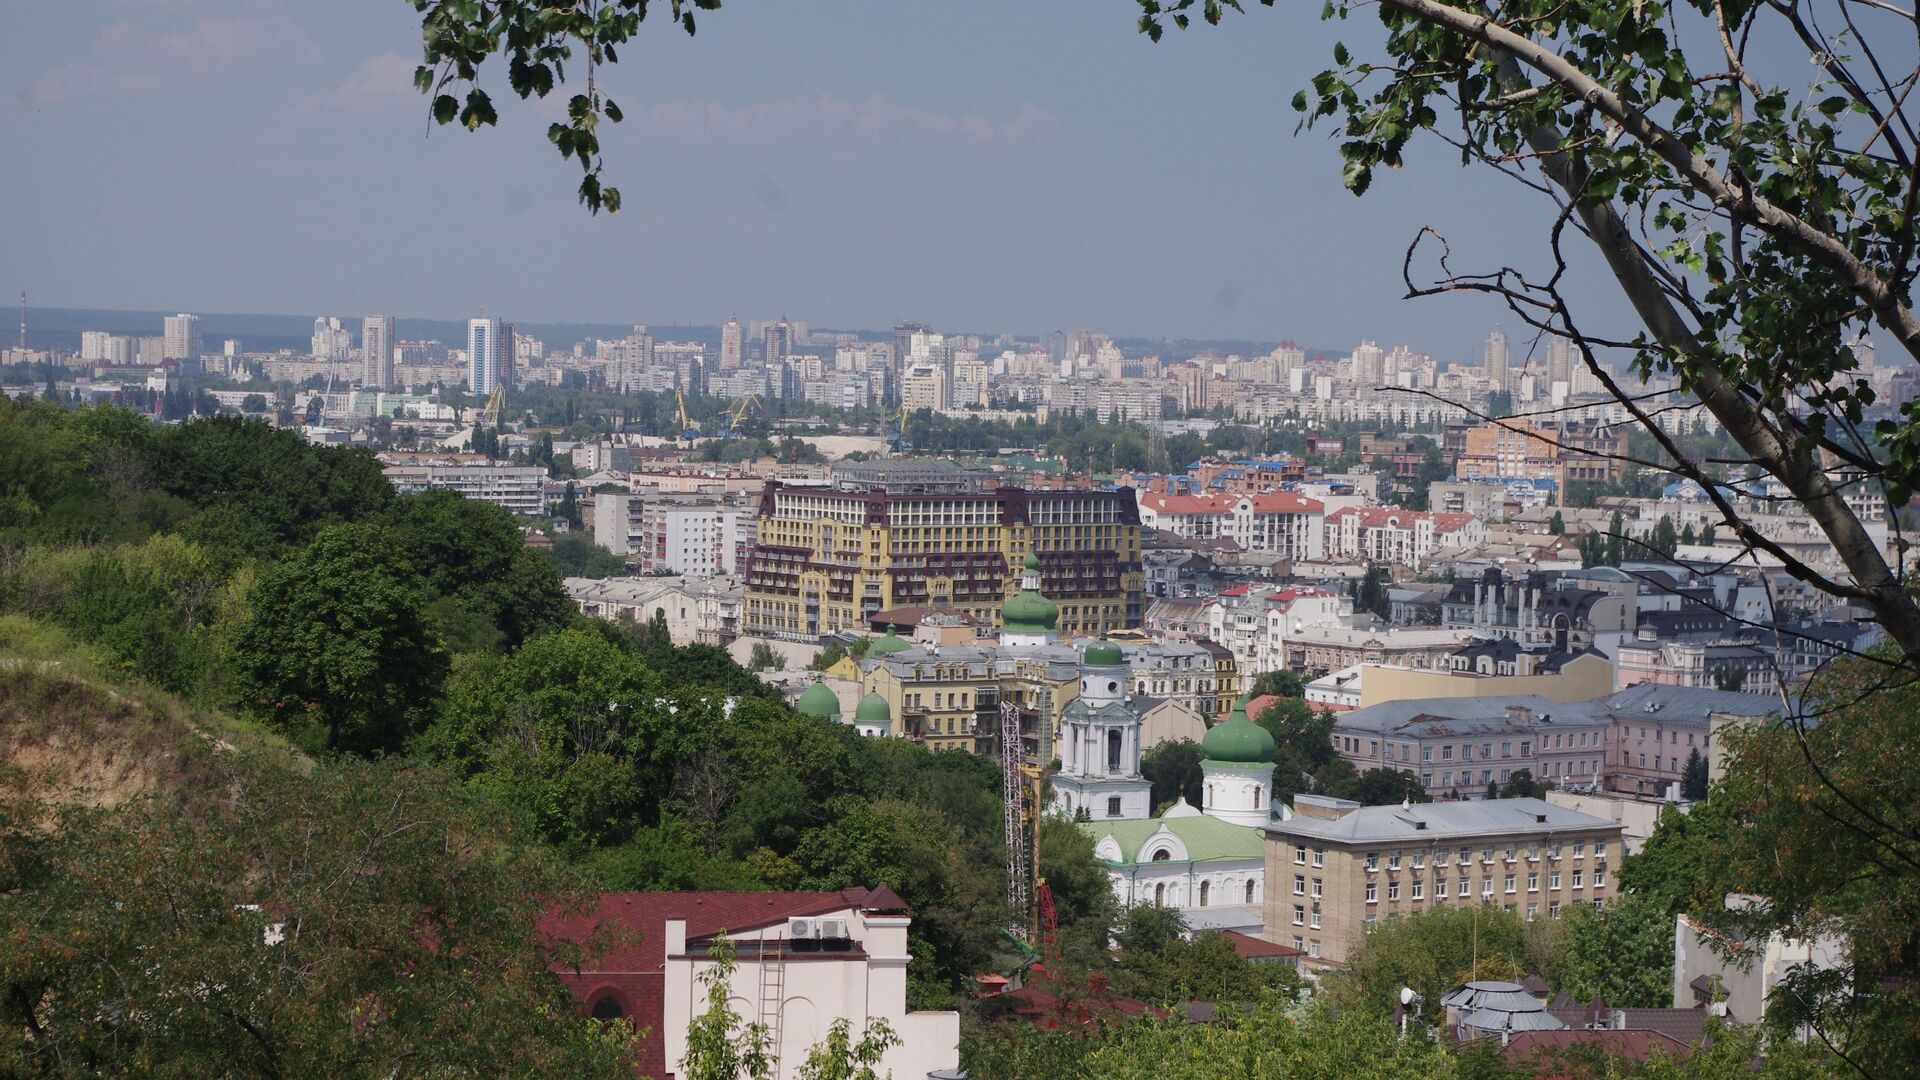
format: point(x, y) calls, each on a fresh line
point(901, 534)
point(1336, 868)
point(1463, 744)
point(519, 488)
point(1280, 522)
point(1409, 538)
point(1562, 453)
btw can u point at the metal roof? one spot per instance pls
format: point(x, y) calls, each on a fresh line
point(1439, 821)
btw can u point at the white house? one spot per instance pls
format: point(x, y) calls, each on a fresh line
point(803, 960)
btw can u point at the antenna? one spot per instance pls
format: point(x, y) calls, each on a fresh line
point(23, 322)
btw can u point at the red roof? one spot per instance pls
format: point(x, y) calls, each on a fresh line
point(1253, 948)
point(1545, 1052)
point(633, 970)
point(1273, 502)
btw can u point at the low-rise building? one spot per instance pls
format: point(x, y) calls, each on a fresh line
point(802, 962)
point(518, 488)
point(1335, 868)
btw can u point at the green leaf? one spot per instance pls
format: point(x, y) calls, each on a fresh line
point(445, 108)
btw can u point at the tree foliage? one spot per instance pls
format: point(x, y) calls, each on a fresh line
point(356, 920)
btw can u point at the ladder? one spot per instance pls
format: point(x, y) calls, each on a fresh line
point(773, 968)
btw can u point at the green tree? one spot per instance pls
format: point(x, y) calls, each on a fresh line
point(574, 554)
point(763, 658)
point(1664, 541)
point(1693, 777)
point(1556, 524)
point(253, 404)
point(1280, 682)
point(1623, 953)
point(1493, 789)
point(720, 1044)
point(338, 641)
point(833, 653)
point(1754, 227)
point(1386, 787)
point(1174, 770)
point(350, 919)
point(1431, 951)
point(1816, 819)
point(1522, 785)
point(841, 1057)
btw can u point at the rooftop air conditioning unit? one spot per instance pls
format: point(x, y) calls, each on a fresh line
point(834, 929)
point(800, 929)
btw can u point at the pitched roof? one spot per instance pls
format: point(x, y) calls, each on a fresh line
point(1545, 1051)
point(1253, 948)
point(641, 952)
point(1681, 703)
point(1207, 839)
point(1433, 821)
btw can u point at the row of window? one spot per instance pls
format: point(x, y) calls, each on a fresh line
point(1552, 848)
point(1417, 887)
point(1533, 912)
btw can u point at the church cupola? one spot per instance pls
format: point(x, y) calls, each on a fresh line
point(1238, 770)
point(1028, 618)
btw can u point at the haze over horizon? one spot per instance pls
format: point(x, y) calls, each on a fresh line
point(990, 168)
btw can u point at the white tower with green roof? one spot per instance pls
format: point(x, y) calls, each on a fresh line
point(1100, 744)
point(1028, 618)
point(1238, 770)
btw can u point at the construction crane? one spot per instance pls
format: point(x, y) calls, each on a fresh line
point(730, 420)
point(496, 401)
point(688, 430)
point(897, 435)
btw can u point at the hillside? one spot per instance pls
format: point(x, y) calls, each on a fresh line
point(85, 736)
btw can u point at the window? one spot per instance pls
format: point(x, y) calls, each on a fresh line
point(1419, 890)
point(1446, 754)
point(1466, 856)
point(1512, 851)
point(1533, 912)
point(1419, 860)
point(1367, 923)
point(1373, 860)
point(1300, 943)
point(1299, 915)
point(1373, 892)
point(1393, 890)
point(1313, 919)
point(1426, 753)
point(1533, 882)
point(1509, 883)
point(1506, 749)
point(1313, 948)
point(1205, 889)
point(1393, 861)
point(1553, 880)
point(1486, 856)
point(607, 1007)
point(1464, 890)
point(1486, 751)
point(1486, 886)
point(1440, 858)
point(1113, 806)
point(1553, 909)
point(1319, 856)
point(1576, 877)
point(1599, 877)
point(1300, 855)
point(1316, 888)
point(1299, 885)
point(1249, 892)
point(1159, 896)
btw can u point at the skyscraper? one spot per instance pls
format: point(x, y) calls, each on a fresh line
point(331, 341)
point(732, 344)
point(376, 351)
point(779, 340)
point(489, 354)
point(1559, 360)
point(180, 337)
point(1499, 372)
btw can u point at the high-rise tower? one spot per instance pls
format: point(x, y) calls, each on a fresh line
point(376, 351)
point(489, 354)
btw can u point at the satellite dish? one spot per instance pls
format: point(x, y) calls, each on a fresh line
point(1407, 995)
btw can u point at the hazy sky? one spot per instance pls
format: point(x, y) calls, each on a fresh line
point(1020, 166)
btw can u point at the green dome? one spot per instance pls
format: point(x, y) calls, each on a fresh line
point(1103, 653)
point(1028, 612)
point(1238, 740)
point(891, 643)
point(873, 711)
point(820, 702)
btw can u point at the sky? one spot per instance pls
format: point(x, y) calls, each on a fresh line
point(988, 166)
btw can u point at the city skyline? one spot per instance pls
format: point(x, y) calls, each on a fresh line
point(843, 173)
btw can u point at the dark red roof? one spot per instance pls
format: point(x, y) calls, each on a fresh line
point(632, 970)
point(1253, 948)
point(1545, 1052)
